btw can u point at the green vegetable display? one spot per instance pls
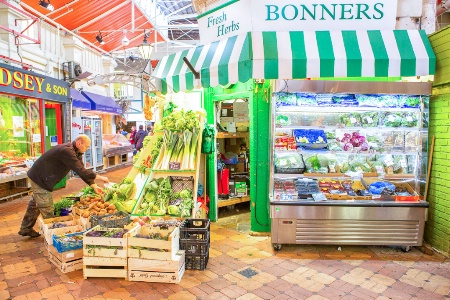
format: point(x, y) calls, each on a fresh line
point(64, 203)
point(158, 193)
point(181, 135)
point(120, 195)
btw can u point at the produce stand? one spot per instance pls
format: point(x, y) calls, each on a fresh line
point(143, 175)
point(312, 201)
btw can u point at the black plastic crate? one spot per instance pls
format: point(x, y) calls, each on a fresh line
point(195, 229)
point(195, 247)
point(196, 262)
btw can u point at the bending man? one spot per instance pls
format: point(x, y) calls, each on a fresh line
point(47, 171)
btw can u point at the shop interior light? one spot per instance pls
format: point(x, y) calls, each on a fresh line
point(145, 48)
point(99, 38)
point(46, 4)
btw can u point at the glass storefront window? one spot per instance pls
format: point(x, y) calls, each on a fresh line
point(20, 131)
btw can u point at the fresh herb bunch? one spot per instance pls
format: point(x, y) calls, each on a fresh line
point(64, 203)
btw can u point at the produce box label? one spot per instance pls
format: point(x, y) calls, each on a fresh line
point(174, 165)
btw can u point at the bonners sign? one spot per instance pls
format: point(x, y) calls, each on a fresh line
point(233, 18)
point(25, 83)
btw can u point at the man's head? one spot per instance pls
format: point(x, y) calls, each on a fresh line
point(141, 126)
point(82, 142)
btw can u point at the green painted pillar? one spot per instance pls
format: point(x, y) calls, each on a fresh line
point(259, 156)
point(210, 164)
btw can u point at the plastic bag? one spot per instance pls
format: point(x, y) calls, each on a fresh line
point(208, 139)
point(377, 187)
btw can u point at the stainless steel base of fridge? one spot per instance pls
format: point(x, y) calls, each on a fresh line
point(393, 224)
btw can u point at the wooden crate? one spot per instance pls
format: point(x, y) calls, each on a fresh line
point(67, 261)
point(150, 270)
point(105, 267)
point(48, 234)
point(46, 224)
point(92, 246)
point(164, 250)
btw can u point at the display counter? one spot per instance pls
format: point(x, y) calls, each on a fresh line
point(349, 167)
point(117, 150)
point(14, 181)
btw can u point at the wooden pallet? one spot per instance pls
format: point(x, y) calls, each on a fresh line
point(150, 270)
point(164, 250)
point(105, 267)
point(66, 261)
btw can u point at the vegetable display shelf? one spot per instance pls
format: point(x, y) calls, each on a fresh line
point(372, 144)
point(155, 173)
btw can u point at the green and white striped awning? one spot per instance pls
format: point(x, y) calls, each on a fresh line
point(300, 55)
point(222, 62)
point(359, 53)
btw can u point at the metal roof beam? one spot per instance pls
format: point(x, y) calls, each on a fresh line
point(126, 2)
point(180, 17)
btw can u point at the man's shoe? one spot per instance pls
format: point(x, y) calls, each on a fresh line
point(31, 233)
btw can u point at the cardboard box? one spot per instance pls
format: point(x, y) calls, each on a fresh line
point(240, 107)
point(241, 189)
point(241, 119)
point(227, 110)
point(225, 120)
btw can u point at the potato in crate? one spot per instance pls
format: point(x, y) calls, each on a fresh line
point(195, 229)
point(148, 242)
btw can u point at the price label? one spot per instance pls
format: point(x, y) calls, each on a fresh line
point(174, 165)
point(319, 197)
point(286, 197)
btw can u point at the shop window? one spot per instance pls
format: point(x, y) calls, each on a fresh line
point(20, 133)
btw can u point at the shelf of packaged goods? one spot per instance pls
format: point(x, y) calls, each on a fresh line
point(13, 178)
point(335, 109)
point(232, 201)
point(374, 129)
point(321, 151)
point(231, 135)
point(339, 175)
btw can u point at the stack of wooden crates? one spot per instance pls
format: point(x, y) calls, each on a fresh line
point(155, 259)
point(67, 257)
point(195, 241)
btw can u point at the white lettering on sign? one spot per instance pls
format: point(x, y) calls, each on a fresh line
point(296, 15)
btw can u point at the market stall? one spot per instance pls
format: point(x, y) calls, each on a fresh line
point(117, 150)
point(33, 118)
point(92, 116)
point(261, 48)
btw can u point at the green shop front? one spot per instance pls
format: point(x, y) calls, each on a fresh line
point(319, 82)
point(33, 118)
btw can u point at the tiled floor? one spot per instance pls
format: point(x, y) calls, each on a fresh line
point(240, 267)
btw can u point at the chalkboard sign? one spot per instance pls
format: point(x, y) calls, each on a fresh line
point(174, 165)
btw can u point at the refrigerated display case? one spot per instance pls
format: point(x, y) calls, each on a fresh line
point(117, 149)
point(349, 163)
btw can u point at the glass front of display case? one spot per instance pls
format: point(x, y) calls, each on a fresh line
point(349, 147)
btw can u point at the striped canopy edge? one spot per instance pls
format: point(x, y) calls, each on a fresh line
point(357, 53)
point(299, 55)
point(219, 63)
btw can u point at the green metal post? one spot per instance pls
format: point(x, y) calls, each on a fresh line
point(211, 169)
point(259, 156)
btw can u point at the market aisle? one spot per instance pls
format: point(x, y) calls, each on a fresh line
point(240, 267)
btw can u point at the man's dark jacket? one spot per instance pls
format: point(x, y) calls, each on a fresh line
point(53, 165)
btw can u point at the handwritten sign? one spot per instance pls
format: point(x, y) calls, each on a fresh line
point(174, 165)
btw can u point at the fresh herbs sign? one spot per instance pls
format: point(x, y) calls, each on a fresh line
point(29, 84)
point(232, 18)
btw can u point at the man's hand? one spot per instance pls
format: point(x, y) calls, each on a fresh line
point(102, 178)
point(97, 189)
